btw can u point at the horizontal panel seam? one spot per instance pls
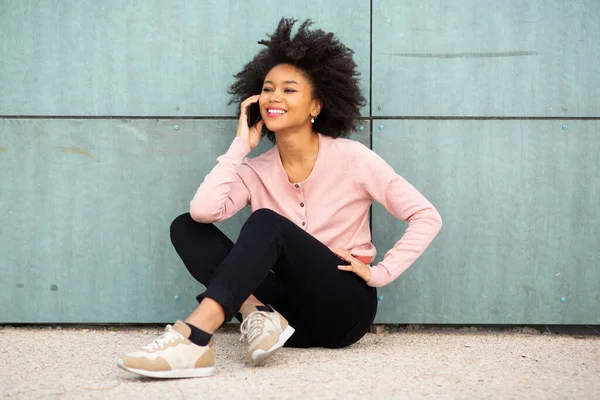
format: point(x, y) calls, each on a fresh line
point(377, 118)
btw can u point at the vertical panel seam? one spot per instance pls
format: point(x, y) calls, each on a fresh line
point(371, 64)
point(371, 132)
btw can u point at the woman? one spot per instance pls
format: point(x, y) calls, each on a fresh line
point(300, 272)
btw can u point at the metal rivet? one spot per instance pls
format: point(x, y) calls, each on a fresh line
point(563, 299)
point(565, 127)
point(176, 297)
point(176, 127)
point(379, 108)
point(380, 127)
point(564, 108)
point(361, 128)
point(379, 298)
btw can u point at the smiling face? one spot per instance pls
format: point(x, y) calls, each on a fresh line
point(286, 101)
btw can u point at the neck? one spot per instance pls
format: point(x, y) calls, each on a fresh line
point(297, 148)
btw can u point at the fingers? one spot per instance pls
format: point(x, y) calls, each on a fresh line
point(259, 125)
point(363, 272)
point(344, 255)
point(251, 99)
point(358, 267)
point(337, 252)
point(246, 103)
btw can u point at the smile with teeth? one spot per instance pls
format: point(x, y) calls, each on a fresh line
point(275, 112)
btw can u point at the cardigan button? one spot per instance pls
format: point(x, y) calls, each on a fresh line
point(304, 223)
point(297, 186)
point(301, 204)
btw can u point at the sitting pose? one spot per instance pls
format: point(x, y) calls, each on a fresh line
point(300, 273)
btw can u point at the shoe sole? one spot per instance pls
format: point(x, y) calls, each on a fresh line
point(179, 373)
point(259, 355)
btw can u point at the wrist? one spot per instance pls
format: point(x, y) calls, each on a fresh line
point(239, 147)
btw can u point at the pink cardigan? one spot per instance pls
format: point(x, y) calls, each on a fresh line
point(332, 204)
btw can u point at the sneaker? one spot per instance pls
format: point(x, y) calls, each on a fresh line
point(172, 355)
point(265, 333)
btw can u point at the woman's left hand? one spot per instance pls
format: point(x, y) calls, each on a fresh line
point(358, 267)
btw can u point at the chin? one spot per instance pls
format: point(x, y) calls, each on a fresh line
point(274, 127)
point(280, 126)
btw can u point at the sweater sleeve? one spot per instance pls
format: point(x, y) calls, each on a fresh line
point(222, 193)
point(379, 181)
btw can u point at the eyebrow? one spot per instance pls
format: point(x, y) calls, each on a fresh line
point(285, 82)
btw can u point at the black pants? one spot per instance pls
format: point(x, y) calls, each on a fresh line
point(284, 266)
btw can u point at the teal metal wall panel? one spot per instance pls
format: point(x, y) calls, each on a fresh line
point(86, 204)
point(520, 204)
point(159, 58)
point(86, 207)
point(486, 58)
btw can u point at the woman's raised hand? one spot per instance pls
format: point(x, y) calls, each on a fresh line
point(253, 133)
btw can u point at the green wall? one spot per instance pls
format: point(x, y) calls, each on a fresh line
point(111, 115)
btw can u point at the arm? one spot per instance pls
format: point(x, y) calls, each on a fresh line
point(379, 181)
point(222, 193)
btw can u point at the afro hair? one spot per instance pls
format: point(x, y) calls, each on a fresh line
point(324, 60)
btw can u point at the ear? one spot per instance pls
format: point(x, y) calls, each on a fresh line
point(317, 106)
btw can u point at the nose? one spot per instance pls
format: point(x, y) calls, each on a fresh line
point(274, 97)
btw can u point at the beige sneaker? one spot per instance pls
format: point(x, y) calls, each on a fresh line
point(265, 333)
point(172, 355)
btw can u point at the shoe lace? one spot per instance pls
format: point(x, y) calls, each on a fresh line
point(169, 336)
point(254, 325)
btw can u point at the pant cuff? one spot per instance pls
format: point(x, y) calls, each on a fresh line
point(221, 296)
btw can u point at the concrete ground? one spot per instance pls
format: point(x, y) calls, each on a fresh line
point(78, 363)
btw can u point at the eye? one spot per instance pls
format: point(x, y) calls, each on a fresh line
point(290, 90)
point(267, 89)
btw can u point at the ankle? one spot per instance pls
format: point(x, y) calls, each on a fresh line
point(247, 308)
point(198, 336)
point(251, 301)
point(208, 316)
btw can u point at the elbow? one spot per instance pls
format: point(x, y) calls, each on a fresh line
point(199, 214)
point(430, 218)
point(437, 220)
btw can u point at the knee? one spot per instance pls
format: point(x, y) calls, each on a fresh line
point(264, 212)
point(180, 226)
point(264, 215)
point(184, 227)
